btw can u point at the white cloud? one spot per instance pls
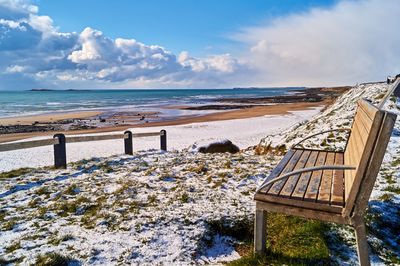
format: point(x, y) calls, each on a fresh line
point(15, 69)
point(221, 63)
point(353, 41)
point(33, 44)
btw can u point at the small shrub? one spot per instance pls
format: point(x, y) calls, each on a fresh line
point(184, 198)
point(13, 247)
point(105, 167)
point(386, 197)
point(52, 259)
point(152, 199)
point(393, 189)
point(43, 191)
point(3, 214)
point(72, 190)
point(9, 225)
point(15, 173)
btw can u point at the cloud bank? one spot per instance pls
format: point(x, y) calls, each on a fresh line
point(33, 48)
point(353, 41)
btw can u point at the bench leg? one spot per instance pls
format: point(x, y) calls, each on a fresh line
point(362, 244)
point(260, 231)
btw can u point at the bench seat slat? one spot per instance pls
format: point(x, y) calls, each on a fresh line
point(337, 197)
point(277, 186)
point(304, 179)
point(313, 186)
point(291, 183)
point(278, 169)
point(324, 192)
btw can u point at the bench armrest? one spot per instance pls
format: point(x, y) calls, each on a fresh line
point(323, 132)
point(304, 170)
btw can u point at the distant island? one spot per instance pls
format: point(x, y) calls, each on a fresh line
point(41, 90)
point(56, 90)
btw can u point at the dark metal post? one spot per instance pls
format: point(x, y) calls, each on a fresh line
point(163, 140)
point(128, 143)
point(60, 152)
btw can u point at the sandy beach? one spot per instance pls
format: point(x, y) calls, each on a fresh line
point(256, 111)
point(47, 118)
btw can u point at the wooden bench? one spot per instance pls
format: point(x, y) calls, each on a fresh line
point(330, 186)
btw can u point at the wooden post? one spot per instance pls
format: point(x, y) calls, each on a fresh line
point(60, 152)
point(128, 143)
point(362, 244)
point(163, 140)
point(260, 231)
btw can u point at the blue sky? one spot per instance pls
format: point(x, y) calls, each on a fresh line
point(201, 27)
point(196, 44)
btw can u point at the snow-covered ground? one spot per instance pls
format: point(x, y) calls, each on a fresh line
point(150, 208)
point(163, 207)
point(242, 132)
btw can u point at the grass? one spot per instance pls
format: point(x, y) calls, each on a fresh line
point(396, 162)
point(15, 173)
point(43, 191)
point(14, 246)
point(3, 214)
point(72, 190)
point(9, 225)
point(290, 241)
point(184, 198)
point(105, 167)
point(386, 197)
point(91, 212)
point(394, 189)
point(52, 259)
point(55, 241)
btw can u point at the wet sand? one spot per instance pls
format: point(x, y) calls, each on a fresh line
point(256, 111)
point(47, 118)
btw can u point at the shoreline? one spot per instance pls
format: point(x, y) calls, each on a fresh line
point(86, 122)
point(258, 111)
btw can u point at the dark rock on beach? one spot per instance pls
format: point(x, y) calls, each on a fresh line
point(220, 147)
point(25, 129)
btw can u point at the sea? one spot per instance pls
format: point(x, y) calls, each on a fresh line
point(25, 103)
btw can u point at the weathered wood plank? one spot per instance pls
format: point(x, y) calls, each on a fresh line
point(260, 231)
point(348, 174)
point(94, 138)
point(324, 193)
point(277, 186)
point(304, 179)
point(142, 135)
point(291, 183)
point(369, 109)
point(365, 159)
point(366, 121)
point(375, 163)
point(278, 169)
point(27, 144)
point(362, 131)
point(298, 203)
point(302, 212)
point(312, 189)
point(337, 197)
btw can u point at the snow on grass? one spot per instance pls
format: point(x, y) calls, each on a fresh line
point(175, 208)
point(153, 207)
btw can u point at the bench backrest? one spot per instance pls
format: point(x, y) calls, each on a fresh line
point(366, 147)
